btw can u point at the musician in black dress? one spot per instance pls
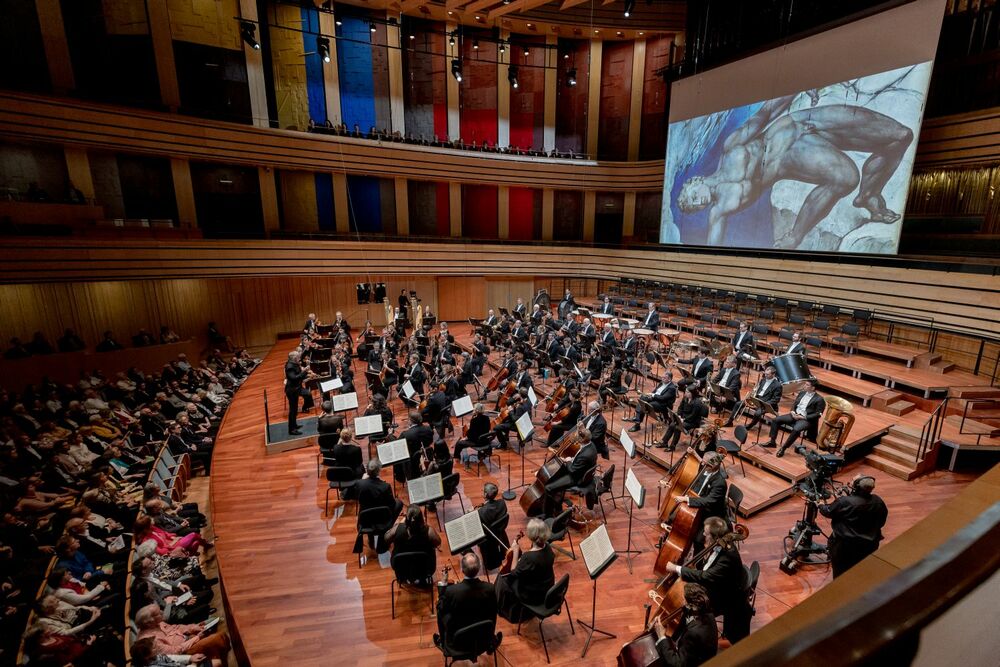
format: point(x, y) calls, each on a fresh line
point(696, 639)
point(413, 534)
point(768, 390)
point(531, 577)
point(491, 514)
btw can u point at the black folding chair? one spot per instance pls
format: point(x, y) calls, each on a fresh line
point(340, 479)
point(414, 570)
point(470, 642)
point(555, 600)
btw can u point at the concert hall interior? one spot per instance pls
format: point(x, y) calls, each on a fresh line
point(600, 332)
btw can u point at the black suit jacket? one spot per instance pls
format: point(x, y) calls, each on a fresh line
point(295, 375)
point(725, 581)
point(349, 456)
point(695, 642)
point(598, 431)
point(814, 409)
point(773, 394)
point(467, 602)
point(417, 437)
point(746, 344)
point(329, 423)
point(734, 384)
point(651, 320)
point(712, 497)
point(607, 309)
point(373, 492)
point(584, 460)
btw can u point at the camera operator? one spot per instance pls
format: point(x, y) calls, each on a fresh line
point(857, 521)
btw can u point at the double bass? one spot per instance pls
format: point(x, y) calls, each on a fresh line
point(668, 596)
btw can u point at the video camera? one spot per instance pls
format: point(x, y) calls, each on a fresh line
point(823, 467)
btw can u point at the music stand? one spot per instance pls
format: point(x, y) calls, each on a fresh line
point(637, 496)
point(598, 554)
point(628, 448)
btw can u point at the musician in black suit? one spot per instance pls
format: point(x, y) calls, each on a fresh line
point(373, 492)
point(519, 405)
point(708, 490)
point(607, 308)
point(575, 409)
point(520, 310)
point(310, 326)
point(523, 377)
point(404, 303)
point(806, 411)
point(417, 376)
point(465, 603)
point(743, 340)
point(417, 436)
point(576, 466)
point(566, 306)
point(696, 639)
point(724, 578)
point(630, 344)
point(661, 399)
point(519, 334)
point(598, 427)
point(768, 390)
point(587, 331)
point(729, 378)
point(536, 315)
point(329, 422)
point(796, 346)
point(652, 320)
point(491, 512)
point(608, 337)
point(295, 377)
point(701, 368)
point(692, 412)
point(437, 412)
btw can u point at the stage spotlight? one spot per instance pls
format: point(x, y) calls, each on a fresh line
point(338, 21)
point(248, 31)
point(451, 39)
point(526, 52)
point(512, 76)
point(571, 77)
point(323, 48)
point(502, 48)
point(456, 69)
point(475, 45)
point(371, 26)
point(629, 7)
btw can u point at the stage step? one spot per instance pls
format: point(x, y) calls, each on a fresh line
point(902, 442)
point(890, 466)
point(900, 408)
point(942, 367)
point(847, 384)
point(892, 402)
point(926, 360)
point(972, 427)
point(978, 391)
point(898, 456)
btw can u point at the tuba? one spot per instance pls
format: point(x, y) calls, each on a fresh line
point(835, 425)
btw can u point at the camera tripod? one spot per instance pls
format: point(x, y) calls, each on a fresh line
point(800, 548)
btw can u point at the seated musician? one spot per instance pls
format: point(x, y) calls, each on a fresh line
point(463, 604)
point(701, 368)
point(577, 467)
point(479, 426)
point(417, 436)
point(729, 378)
point(479, 352)
point(613, 388)
point(456, 378)
point(416, 375)
point(531, 575)
point(491, 512)
point(374, 357)
point(768, 390)
point(607, 308)
point(329, 422)
point(630, 345)
point(608, 338)
point(444, 355)
point(708, 490)
point(587, 331)
point(696, 640)
point(518, 405)
point(436, 458)
point(347, 453)
point(806, 411)
point(379, 407)
point(518, 334)
point(692, 412)
point(570, 415)
point(437, 412)
point(570, 350)
point(743, 341)
point(598, 427)
point(520, 310)
point(796, 346)
point(724, 578)
point(522, 378)
point(373, 492)
point(536, 315)
point(309, 328)
point(652, 320)
point(413, 534)
point(661, 399)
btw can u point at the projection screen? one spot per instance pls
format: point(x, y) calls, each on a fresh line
point(806, 147)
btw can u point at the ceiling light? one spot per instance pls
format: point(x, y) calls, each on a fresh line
point(502, 48)
point(629, 7)
point(475, 45)
point(371, 26)
point(526, 52)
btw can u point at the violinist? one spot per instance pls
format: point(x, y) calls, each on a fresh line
point(568, 416)
point(661, 399)
point(436, 458)
point(478, 428)
point(347, 454)
point(444, 355)
point(479, 353)
point(491, 514)
point(378, 407)
point(309, 328)
point(531, 576)
point(692, 412)
point(417, 436)
point(469, 601)
point(522, 379)
point(598, 427)
point(437, 411)
point(454, 380)
point(768, 391)
point(724, 578)
point(696, 639)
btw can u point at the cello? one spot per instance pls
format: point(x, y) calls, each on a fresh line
point(497, 378)
point(668, 596)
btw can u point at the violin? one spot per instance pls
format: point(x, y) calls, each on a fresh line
point(508, 559)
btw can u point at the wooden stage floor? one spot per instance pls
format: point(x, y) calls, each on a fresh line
point(298, 597)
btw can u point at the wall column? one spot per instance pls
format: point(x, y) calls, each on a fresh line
point(187, 216)
point(163, 52)
point(50, 21)
point(548, 210)
point(503, 94)
point(78, 170)
point(589, 210)
point(402, 207)
point(269, 199)
point(628, 217)
point(392, 37)
point(255, 69)
point(635, 104)
point(455, 207)
point(551, 87)
point(341, 212)
point(503, 212)
point(594, 99)
point(331, 71)
point(454, 126)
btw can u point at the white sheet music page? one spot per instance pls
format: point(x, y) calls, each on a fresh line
point(462, 406)
point(635, 488)
point(392, 452)
point(330, 385)
point(408, 389)
point(345, 402)
point(524, 426)
point(627, 442)
point(368, 425)
point(532, 397)
point(464, 531)
point(597, 550)
point(425, 489)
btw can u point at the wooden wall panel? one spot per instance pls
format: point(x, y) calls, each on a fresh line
point(504, 292)
point(461, 298)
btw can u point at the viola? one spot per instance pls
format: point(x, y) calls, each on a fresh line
point(508, 559)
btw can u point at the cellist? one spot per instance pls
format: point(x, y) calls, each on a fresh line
point(568, 416)
point(696, 639)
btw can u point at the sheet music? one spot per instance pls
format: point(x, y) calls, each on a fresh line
point(635, 488)
point(425, 489)
point(408, 389)
point(532, 397)
point(464, 532)
point(462, 406)
point(367, 425)
point(627, 442)
point(330, 385)
point(524, 426)
point(597, 550)
point(392, 452)
point(345, 402)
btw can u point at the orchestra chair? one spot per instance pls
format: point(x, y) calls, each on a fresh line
point(850, 334)
point(748, 312)
point(832, 313)
point(559, 527)
point(753, 576)
point(553, 604)
point(725, 312)
point(814, 346)
point(767, 314)
point(799, 321)
point(805, 307)
point(373, 521)
point(784, 340)
point(820, 327)
point(450, 486)
point(763, 301)
point(734, 496)
point(340, 478)
point(733, 447)
point(780, 303)
point(604, 483)
point(470, 642)
point(414, 570)
point(324, 455)
point(705, 328)
point(681, 319)
point(863, 318)
point(760, 332)
point(732, 328)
